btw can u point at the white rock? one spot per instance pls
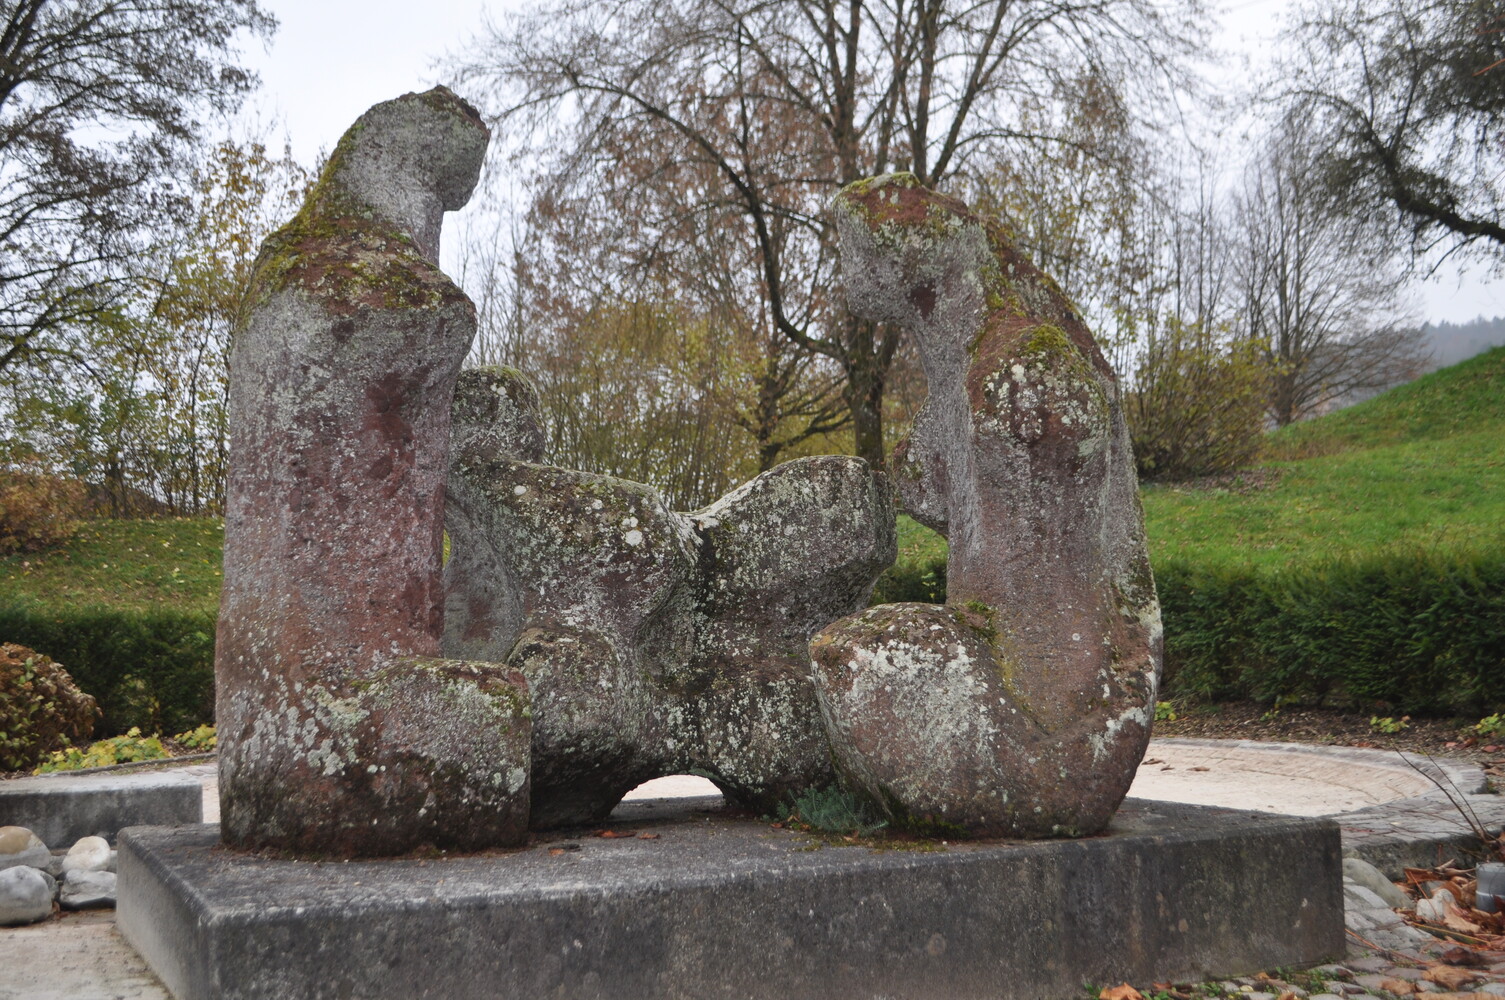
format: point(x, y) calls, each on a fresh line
point(85, 889)
point(19, 846)
point(25, 896)
point(1434, 909)
point(90, 854)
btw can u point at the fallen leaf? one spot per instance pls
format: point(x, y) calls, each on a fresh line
point(1287, 996)
point(1199, 769)
point(1466, 957)
point(1449, 977)
point(612, 834)
point(1167, 768)
point(648, 836)
point(1123, 991)
point(1153, 760)
point(556, 851)
point(1398, 986)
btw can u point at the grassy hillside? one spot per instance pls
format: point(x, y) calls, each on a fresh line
point(127, 565)
point(1418, 469)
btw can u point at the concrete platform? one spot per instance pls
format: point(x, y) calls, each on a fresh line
point(717, 906)
point(62, 808)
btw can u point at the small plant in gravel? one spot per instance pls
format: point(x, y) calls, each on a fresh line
point(125, 749)
point(1491, 725)
point(1385, 724)
point(1165, 712)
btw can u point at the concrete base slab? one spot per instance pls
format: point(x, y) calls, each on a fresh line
point(62, 808)
point(721, 906)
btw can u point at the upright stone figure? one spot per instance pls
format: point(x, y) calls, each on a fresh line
point(1021, 707)
point(341, 730)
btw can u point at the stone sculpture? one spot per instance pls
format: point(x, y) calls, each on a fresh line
point(653, 642)
point(342, 732)
point(583, 637)
point(1021, 707)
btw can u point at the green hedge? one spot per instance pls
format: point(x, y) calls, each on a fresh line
point(151, 669)
point(1420, 632)
point(1416, 633)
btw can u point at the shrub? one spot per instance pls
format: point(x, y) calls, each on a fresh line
point(200, 740)
point(153, 669)
point(38, 511)
point(1197, 406)
point(834, 810)
point(924, 582)
point(125, 749)
point(40, 707)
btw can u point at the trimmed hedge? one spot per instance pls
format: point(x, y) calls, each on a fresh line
point(1417, 632)
point(1414, 633)
point(151, 669)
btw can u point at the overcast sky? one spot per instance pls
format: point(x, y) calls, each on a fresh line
point(332, 59)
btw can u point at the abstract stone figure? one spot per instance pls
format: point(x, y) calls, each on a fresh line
point(341, 731)
point(653, 642)
point(1023, 705)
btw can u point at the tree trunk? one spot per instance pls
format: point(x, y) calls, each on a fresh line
point(866, 370)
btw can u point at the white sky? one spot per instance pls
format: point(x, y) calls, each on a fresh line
point(332, 59)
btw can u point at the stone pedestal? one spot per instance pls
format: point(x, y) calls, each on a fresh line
point(716, 906)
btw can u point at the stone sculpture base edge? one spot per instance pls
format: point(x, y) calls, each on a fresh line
point(718, 906)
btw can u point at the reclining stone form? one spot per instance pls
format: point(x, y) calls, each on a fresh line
point(654, 642)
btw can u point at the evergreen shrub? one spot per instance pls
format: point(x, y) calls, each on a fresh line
point(1415, 632)
point(151, 669)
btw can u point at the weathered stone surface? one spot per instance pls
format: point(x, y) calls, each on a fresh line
point(720, 908)
point(85, 890)
point(1024, 705)
point(1365, 874)
point(340, 732)
point(90, 854)
point(653, 642)
point(25, 896)
point(19, 846)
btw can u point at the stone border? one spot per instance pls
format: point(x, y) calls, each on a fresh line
point(1416, 832)
point(60, 809)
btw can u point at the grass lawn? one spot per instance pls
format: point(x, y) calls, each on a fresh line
point(129, 565)
point(1419, 468)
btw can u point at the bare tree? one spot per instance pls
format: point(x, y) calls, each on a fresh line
point(1404, 98)
point(1316, 287)
point(99, 108)
point(690, 122)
